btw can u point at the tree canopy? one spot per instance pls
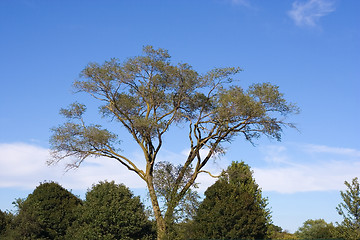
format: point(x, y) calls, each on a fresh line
point(316, 229)
point(46, 213)
point(233, 207)
point(3, 222)
point(349, 209)
point(111, 212)
point(165, 174)
point(148, 95)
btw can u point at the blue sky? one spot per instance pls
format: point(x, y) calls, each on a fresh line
point(310, 48)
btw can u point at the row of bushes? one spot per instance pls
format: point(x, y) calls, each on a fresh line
point(110, 211)
point(233, 208)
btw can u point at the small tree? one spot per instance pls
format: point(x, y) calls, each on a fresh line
point(316, 229)
point(349, 209)
point(45, 214)
point(111, 212)
point(233, 207)
point(165, 174)
point(148, 95)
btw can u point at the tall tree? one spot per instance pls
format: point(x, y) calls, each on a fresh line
point(148, 95)
point(111, 212)
point(349, 209)
point(233, 207)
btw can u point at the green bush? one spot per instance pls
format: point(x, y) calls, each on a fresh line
point(45, 214)
point(233, 207)
point(111, 212)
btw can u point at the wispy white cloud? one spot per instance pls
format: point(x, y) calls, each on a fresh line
point(309, 12)
point(241, 2)
point(285, 171)
point(332, 150)
point(322, 176)
point(275, 154)
point(306, 167)
point(24, 166)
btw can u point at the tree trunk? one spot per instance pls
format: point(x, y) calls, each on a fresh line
point(160, 222)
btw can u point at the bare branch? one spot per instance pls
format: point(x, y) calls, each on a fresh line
point(213, 176)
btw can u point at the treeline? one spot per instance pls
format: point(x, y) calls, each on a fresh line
point(110, 211)
point(233, 208)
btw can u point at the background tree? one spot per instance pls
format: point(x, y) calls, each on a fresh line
point(45, 214)
point(111, 212)
point(148, 95)
point(6, 224)
point(165, 174)
point(316, 229)
point(233, 207)
point(276, 232)
point(349, 209)
point(3, 222)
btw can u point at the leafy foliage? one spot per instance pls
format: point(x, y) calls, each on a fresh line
point(111, 212)
point(6, 224)
point(45, 214)
point(165, 174)
point(316, 229)
point(233, 207)
point(349, 209)
point(148, 95)
point(3, 222)
point(276, 232)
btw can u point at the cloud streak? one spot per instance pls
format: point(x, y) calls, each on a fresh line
point(322, 176)
point(240, 2)
point(24, 166)
point(307, 167)
point(332, 150)
point(309, 12)
point(283, 170)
